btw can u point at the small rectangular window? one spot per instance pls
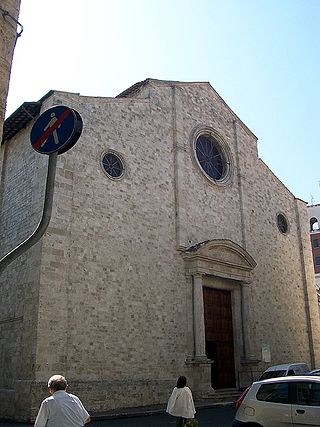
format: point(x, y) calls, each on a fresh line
point(315, 243)
point(274, 392)
point(317, 260)
point(308, 394)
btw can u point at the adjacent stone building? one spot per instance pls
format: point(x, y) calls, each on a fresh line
point(9, 11)
point(172, 249)
point(314, 221)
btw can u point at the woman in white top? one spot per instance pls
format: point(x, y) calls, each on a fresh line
point(180, 403)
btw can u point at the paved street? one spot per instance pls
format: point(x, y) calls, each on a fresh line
point(212, 417)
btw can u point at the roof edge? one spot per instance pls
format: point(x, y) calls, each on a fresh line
point(22, 116)
point(132, 89)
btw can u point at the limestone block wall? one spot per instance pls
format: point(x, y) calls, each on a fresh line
point(207, 211)
point(8, 9)
point(21, 198)
point(110, 268)
point(7, 44)
point(112, 307)
point(138, 214)
point(279, 275)
point(245, 211)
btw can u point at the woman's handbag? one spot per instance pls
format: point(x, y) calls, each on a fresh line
point(192, 422)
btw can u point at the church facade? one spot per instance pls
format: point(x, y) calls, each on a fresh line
point(172, 250)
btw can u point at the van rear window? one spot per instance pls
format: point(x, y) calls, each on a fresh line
point(272, 374)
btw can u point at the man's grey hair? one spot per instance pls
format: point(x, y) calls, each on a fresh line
point(57, 382)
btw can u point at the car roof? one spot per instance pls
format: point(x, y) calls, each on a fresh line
point(284, 366)
point(292, 378)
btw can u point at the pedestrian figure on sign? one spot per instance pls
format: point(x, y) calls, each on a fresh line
point(54, 132)
point(180, 403)
point(61, 409)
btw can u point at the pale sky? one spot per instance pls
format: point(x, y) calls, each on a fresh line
point(262, 57)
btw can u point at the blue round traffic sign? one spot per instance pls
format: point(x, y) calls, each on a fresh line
point(57, 129)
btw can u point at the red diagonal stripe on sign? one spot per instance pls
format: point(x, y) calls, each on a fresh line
point(49, 131)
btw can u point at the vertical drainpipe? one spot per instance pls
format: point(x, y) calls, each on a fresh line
point(305, 287)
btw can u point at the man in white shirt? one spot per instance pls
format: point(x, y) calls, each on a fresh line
point(61, 409)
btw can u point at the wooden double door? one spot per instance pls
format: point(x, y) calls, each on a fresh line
point(219, 336)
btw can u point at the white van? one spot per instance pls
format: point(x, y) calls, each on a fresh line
point(285, 370)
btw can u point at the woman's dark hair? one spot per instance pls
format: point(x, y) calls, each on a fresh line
point(182, 382)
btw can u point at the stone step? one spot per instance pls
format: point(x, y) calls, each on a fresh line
point(225, 395)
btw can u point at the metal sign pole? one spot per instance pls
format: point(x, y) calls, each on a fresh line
point(44, 222)
point(54, 132)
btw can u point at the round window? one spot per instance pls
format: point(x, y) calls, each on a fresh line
point(211, 158)
point(112, 165)
point(282, 223)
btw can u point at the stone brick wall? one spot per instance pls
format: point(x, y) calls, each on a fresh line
point(112, 306)
point(7, 44)
point(109, 261)
point(21, 199)
point(279, 272)
point(8, 9)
